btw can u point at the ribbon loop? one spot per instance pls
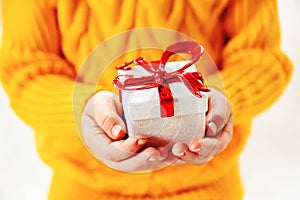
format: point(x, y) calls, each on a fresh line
point(188, 47)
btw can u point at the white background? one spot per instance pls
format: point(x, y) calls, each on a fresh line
point(270, 163)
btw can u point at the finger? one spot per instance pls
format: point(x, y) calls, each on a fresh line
point(107, 111)
point(188, 156)
point(171, 159)
point(140, 161)
point(104, 147)
point(164, 153)
point(196, 145)
point(200, 160)
point(218, 113)
point(182, 151)
point(123, 149)
point(223, 140)
point(213, 146)
point(155, 154)
point(212, 127)
point(207, 146)
point(179, 148)
point(179, 162)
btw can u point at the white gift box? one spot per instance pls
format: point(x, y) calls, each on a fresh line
point(142, 110)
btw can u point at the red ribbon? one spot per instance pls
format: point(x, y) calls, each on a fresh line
point(158, 77)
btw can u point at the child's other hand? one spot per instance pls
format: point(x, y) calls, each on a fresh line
point(219, 127)
point(104, 133)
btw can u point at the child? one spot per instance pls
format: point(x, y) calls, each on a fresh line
point(45, 42)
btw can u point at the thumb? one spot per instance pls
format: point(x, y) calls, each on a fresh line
point(218, 114)
point(113, 126)
point(107, 112)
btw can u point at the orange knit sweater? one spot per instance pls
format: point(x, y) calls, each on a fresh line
point(45, 42)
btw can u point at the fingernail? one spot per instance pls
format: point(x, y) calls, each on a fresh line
point(213, 128)
point(141, 141)
point(179, 162)
point(196, 147)
point(116, 130)
point(151, 159)
point(180, 154)
point(161, 158)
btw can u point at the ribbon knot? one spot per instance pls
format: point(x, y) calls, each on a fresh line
point(160, 78)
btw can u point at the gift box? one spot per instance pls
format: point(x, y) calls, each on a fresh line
point(165, 101)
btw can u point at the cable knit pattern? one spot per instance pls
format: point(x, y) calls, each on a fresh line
point(45, 42)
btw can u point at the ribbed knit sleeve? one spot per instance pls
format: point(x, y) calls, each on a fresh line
point(255, 70)
point(38, 80)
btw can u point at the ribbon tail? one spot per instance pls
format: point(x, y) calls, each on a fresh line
point(130, 82)
point(194, 82)
point(166, 101)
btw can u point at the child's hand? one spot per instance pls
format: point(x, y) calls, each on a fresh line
point(219, 127)
point(104, 133)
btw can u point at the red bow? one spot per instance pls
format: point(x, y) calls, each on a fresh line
point(158, 77)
